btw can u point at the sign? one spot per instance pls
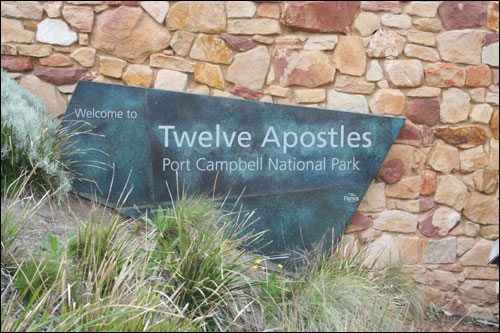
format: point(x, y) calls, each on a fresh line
point(304, 170)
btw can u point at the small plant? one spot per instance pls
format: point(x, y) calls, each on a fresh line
point(32, 142)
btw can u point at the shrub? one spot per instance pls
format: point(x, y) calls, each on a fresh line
point(31, 141)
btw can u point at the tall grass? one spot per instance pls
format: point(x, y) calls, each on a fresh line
point(333, 291)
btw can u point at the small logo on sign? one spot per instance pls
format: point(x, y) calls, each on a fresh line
point(351, 197)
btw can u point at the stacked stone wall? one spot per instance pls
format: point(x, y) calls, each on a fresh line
point(433, 208)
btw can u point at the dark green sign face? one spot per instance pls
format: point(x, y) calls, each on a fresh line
point(303, 170)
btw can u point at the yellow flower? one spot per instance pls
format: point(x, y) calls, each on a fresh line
point(280, 265)
point(257, 261)
point(255, 267)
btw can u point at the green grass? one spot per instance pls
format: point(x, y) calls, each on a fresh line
point(183, 268)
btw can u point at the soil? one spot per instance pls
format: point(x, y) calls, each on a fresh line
point(444, 323)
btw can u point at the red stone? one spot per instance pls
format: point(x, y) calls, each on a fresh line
point(238, 43)
point(490, 38)
point(427, 136)
point(385, 6)
point(456, 307)
point(17, 64)
point(360, 222)
point(445, 75)
point(409, 134)
point(59, 76)
point(462, 14)
point(55, 60)
point(245, 92)
point(427, 228)
point(425, 204)
point(429, 181)
point(478, 76)
point(320, 16)
point(122, 3)
point(456, 267)
point(424, 112)
point(392, 171)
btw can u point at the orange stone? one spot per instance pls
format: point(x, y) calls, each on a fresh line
point(494, 124)
point(55, 60)
point(478, 76)
point(271, 10)
point(209, 74)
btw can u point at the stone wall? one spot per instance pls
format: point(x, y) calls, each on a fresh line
point(434, 205)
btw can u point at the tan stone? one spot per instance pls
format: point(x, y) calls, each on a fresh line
point(249, 68)
point(478, 292)
point(138, 75)
point(451, 191)
point(369, 235)
point(350, 84)
point(421, 52)
point(112, 67)
point(157, 9)
point(385, 43)
point(423, 38)
point(423, 92)
point(492, 98)
point(404, 73)
point(83, 39)
point(486, 180)
point(321, 42)
point(22, 9)
point(477, 312)
point(52, 8)
point(413, 269)
point(209, 74)
point(14, 31)
point(494, 154)
point(396, 221)
point(423, 8)
point(374, 72)
point(80, 18)
point(481, 113)
point(261, 26)
point(34, 50)
point(211, 49)
point(406, 154)
point(382, 253)
point(396, 21)
point(494, 124)
point(443, 158)
point(128, 33)
point(9, 49)
point(374, 200)
point(427, 24)
point(85, 56)
point(477, 95)
point(473, 159)
point(263, 39)
point(171, 80)
point(481, 273)
point(366, 23)
point(408, 249)
point(105, 79)
point(388, 102)
point(451, 46)
point(442, 280)
point(181, 42)
point(349, 56)
point(310, 95)
point(278, 91)
point(406, 188)
point(464, 244)
point(482, 209)
point(48, 93)
point(197, 16)
point(434, 296)
point(455, 106)
point(240, 9)
point(160, 60)
point(489, 232)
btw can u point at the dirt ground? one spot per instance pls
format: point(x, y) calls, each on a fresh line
point(443, 323)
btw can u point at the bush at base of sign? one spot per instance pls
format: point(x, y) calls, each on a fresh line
point(32, 142)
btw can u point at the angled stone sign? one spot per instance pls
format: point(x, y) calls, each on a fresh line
point(303, 170)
